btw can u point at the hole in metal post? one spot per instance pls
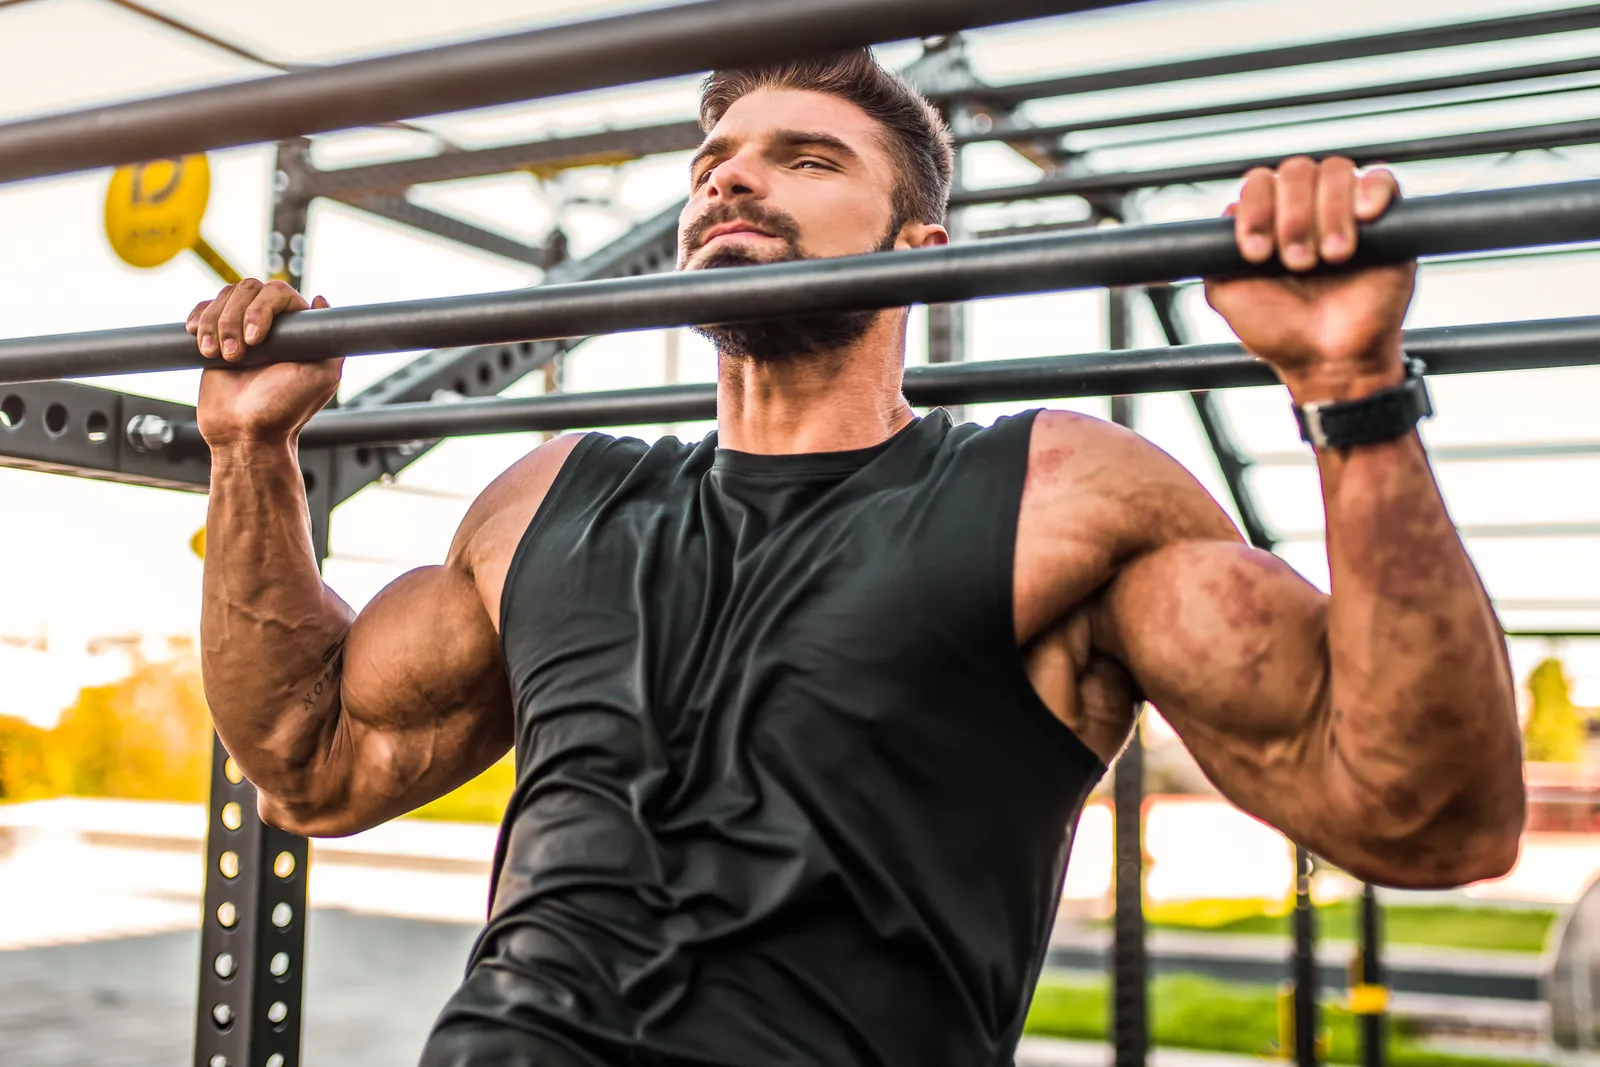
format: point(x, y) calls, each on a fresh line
point(231, 771)
point(219, 1060)
point(278, 1012)
point(507, 360)
point(13, 409)
point(232, 815)
point(222, 1015)
point(224, 965)
point(279, 965)
point(55, 419)
point(228, 864)
point(227, 914)
point(364, 456)
point(283, 865)
point(97, 426)
point(282, 916)
point(485, 373)
point(275, 1060)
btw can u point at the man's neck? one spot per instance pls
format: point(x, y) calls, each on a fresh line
point(830, 402)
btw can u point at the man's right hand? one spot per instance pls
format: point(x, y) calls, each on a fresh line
point(255, 405)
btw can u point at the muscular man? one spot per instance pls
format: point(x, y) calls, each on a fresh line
point(803, 713)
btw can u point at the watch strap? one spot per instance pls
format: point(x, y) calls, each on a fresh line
point(1384, 416)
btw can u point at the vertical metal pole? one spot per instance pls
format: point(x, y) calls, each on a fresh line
point(1372, 997)
point(1130, 977)
point(1306, 1025)
point(252, 938)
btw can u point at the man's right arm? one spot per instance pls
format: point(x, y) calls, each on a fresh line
point(341, 720)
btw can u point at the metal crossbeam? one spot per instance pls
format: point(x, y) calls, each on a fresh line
point(399, 209)
point(1141, 255)
point(637, 46)
point(1384, 44)
point(1451, 146)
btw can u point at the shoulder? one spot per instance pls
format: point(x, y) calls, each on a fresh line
point(1130, 489)
point(515, 495)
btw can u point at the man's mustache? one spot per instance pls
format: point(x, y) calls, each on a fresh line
point(770, 221)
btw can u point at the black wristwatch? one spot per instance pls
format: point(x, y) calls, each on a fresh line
point(1383, 416)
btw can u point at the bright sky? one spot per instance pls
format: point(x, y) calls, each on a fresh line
point(85, 559)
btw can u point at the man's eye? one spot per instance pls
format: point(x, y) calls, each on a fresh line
point(817, 163)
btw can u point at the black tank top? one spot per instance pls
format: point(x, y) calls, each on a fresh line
point(785, 794)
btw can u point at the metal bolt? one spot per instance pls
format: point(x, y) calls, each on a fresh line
point(150, 433)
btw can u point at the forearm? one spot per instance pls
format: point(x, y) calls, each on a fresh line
point(271, 632)
point(1422, 734)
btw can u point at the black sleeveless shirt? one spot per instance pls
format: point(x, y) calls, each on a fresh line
point(785, 794)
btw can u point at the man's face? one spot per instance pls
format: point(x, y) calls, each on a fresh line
point(788, 174)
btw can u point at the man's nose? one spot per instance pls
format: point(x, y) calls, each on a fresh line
point(739, 175)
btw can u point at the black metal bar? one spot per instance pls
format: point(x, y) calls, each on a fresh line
point(606, 147)
point(1130, 959)
point(1452, 146)
point(1480, 221)
point(1409, 87)
point(637, 46)
point(1374, 1037)
point(1449, 350)
point(1306, 1020)
point(1384, 44)
point(399, 209)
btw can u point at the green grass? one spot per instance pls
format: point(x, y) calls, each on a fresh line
point(1200, 1013)
point(1503, 929)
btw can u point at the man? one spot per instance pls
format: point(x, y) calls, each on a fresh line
point(803, 713)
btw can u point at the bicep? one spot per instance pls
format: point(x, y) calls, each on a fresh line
point(424, 697)
point(1231, 645)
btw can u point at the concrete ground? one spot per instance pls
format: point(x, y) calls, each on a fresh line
point(373, 987)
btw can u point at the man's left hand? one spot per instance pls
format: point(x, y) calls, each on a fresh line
point(1330, 333)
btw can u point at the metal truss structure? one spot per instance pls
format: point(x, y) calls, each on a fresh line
point(253, 939)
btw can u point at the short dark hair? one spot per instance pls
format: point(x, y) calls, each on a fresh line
point(918, 139)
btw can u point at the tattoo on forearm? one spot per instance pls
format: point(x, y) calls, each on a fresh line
point(328, 680)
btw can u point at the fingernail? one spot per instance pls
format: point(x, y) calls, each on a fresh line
point(251, 332)
point(229, 347)
point(1298, 255)
point(1335, 244)
point(207, 345)
point(1257, 246)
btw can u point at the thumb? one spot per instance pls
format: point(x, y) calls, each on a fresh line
point(319, 303)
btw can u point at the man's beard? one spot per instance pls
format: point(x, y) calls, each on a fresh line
point(783, 339)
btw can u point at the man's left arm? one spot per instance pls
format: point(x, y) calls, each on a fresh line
point(1377, 725)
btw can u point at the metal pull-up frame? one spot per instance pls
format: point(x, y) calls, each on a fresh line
point(65, 426)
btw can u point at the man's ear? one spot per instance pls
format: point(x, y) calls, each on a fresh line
point(922, 235)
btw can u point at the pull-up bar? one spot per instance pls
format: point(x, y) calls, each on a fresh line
point(623, 49)
point(1464, 222)
point(1535, 345)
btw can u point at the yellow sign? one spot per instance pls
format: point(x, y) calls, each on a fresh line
point(154, 210)
point(197, 543)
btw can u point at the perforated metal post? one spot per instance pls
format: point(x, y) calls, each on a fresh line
point(252, 941)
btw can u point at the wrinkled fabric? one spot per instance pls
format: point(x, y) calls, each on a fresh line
point(785, 794)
